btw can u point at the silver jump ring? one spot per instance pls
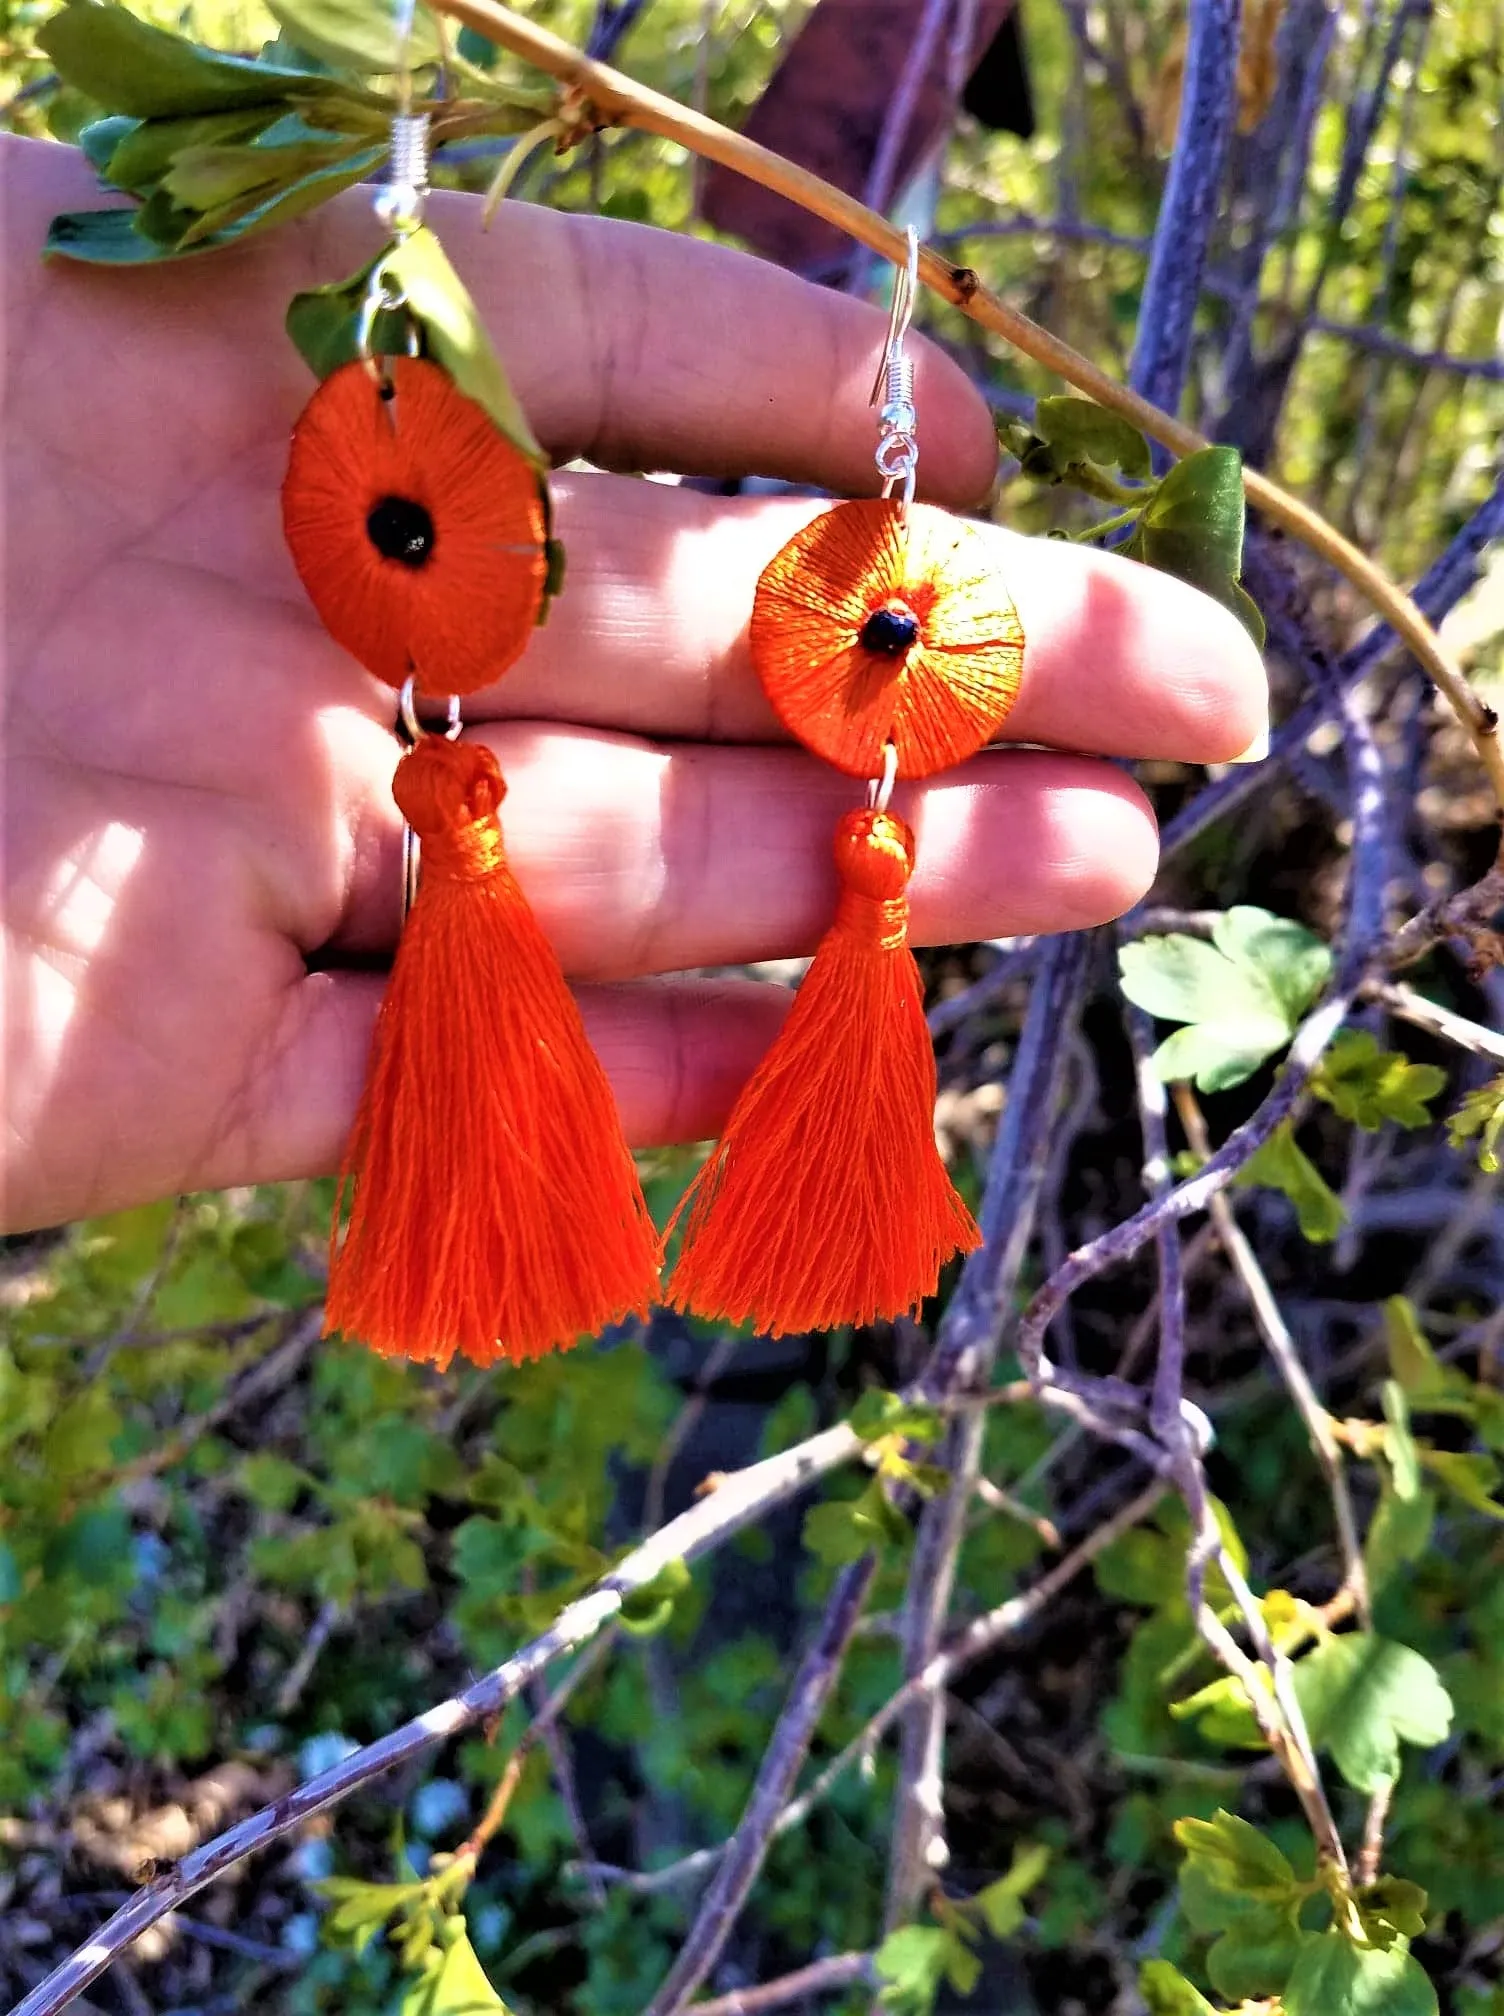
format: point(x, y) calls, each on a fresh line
point(413, 732)
point(408, 713)
point(880, 789)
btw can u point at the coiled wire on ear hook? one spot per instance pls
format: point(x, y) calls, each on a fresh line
point(897, 454)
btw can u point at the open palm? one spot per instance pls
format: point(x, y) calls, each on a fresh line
point(202, 859)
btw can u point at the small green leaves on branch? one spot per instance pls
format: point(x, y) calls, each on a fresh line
point(1281, 1164)
point(1362, 1696)
point(323, 322)
point(215, 146)
point(1368, 1085)
point(1240, 997)
point(1192, 527)
point(644, 1612)
point(427, 1930)
point(1236, 1885)
point(1189, 523)
point(1335, 1976)
point(913, 1962)
point(1480, 1117)
point(1166, 1992)
point(1077, 442)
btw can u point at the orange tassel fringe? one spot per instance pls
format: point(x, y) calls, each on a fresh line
point(826, 1201)
point(496, 1210)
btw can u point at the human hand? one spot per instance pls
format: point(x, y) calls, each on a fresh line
point(202, 858)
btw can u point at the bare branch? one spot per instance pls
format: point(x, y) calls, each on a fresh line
point(824, 1977)
point(748, 1846)
point(981, 1636)
point(738, 1499)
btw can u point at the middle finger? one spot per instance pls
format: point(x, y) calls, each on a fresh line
point(652, 858)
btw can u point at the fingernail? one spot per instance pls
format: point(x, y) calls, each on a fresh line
point(1257, 749)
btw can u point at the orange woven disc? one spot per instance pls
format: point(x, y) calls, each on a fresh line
point(868, 630)
point(417, 528)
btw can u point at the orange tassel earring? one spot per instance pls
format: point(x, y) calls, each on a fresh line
point(495, 1209)
point(886, 645)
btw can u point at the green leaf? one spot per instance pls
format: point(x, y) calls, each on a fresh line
point(99, 140)
point(1281, 1164)
point(212, 177)
point(10, 1576)
point(1236, 1884)
point(355, 35)
point(1294, 962)
point(1391, 1909)
point(1368, 1085)
point(1222, 1714)
point(1192, 527)
point(831, 1534)
point(1082, 431)
point(1481, 1115)
point(1333, 1977)
point(271, 1482)
point(360, 1909)
point(456, 336)
point(1362, 1696)
point(1001, 1902)
point(453, 1982)
point(1473, 1479)
point(1240, 996)
point(1412, 1361)
point(878, 1413)
point(646, 1610)
point(100, 238)
point(322, 323)
point(1237, 1866)
point(163, 230)
point(148, 147)
point(128, 66)
point(911, 1963)
point(1398, 1533)
point(842, 1529)
point(1166, 1992)
point(1399, 1443)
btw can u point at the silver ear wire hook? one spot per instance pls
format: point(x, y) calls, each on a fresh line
point(897, 455)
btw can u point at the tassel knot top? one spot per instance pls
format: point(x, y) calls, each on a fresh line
point(874, 858)
point(449, 793)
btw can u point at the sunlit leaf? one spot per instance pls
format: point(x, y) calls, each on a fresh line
point(1362, 1696)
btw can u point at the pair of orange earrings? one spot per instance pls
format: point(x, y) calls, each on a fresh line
point(494, 1208)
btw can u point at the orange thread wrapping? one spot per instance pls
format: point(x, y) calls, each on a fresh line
point(826, 1201)
point(495, 1209)
point(417, 529)
point(870, 627)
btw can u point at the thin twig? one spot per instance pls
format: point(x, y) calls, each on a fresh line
point(823, 1977)
point(974, 1641)
point(970, 1333)
point(618, 100)
point(747, 1849)
point(1371, 1854)
point(1282, 1349)
point(1443, 1022)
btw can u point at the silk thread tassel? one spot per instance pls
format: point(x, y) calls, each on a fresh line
point(826, 1201)
point(495, 1210)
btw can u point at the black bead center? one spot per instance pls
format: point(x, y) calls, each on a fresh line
point(890, 630)
point(400, 530)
